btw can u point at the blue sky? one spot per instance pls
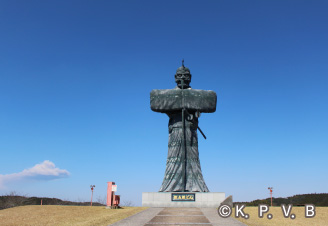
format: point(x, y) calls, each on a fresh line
point(75, 79)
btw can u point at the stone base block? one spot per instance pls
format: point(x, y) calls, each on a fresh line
point(164, 199)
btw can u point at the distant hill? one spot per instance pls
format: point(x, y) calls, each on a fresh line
point(9, 201)
point(320, 199)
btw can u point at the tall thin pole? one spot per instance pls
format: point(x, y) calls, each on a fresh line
point(184, 137)
point(91, 196)
point(270, 188)
point(92, 186)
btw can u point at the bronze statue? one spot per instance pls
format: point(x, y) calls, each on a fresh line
point(183, 105)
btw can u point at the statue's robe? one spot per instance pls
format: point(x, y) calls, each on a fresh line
point(181, 175)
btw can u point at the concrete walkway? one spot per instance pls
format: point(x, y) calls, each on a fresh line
point(140, 218)
point(213, 216)
point(178, 216)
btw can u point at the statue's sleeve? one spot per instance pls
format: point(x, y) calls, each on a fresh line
point(167, 100)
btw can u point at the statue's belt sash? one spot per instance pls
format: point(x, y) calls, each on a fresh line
point(165, 100)
point(188, 125)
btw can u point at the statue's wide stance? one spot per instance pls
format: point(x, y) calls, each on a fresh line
point(183, 105)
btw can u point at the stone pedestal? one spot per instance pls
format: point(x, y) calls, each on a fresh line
point(191, 199)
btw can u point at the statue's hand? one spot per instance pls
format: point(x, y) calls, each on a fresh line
point(190, 117)
point(197, 114)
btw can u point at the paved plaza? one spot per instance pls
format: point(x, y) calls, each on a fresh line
point(178, 216)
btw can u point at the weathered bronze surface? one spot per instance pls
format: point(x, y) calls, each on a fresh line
point(163, 100)
point(183, 105)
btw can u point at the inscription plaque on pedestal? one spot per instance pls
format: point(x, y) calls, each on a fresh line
point(183, 197)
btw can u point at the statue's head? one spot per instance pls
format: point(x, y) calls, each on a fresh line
point(183, 74)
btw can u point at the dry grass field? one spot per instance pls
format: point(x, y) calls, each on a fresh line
point(320, 219)
point(64, 215)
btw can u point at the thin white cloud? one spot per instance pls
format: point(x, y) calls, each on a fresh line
point(43, 171)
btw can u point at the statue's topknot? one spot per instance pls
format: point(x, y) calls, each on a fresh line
point(183, 69)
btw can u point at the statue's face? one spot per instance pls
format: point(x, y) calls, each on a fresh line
point(183, 76)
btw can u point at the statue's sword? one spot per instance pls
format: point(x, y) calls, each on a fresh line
point(189, 118)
